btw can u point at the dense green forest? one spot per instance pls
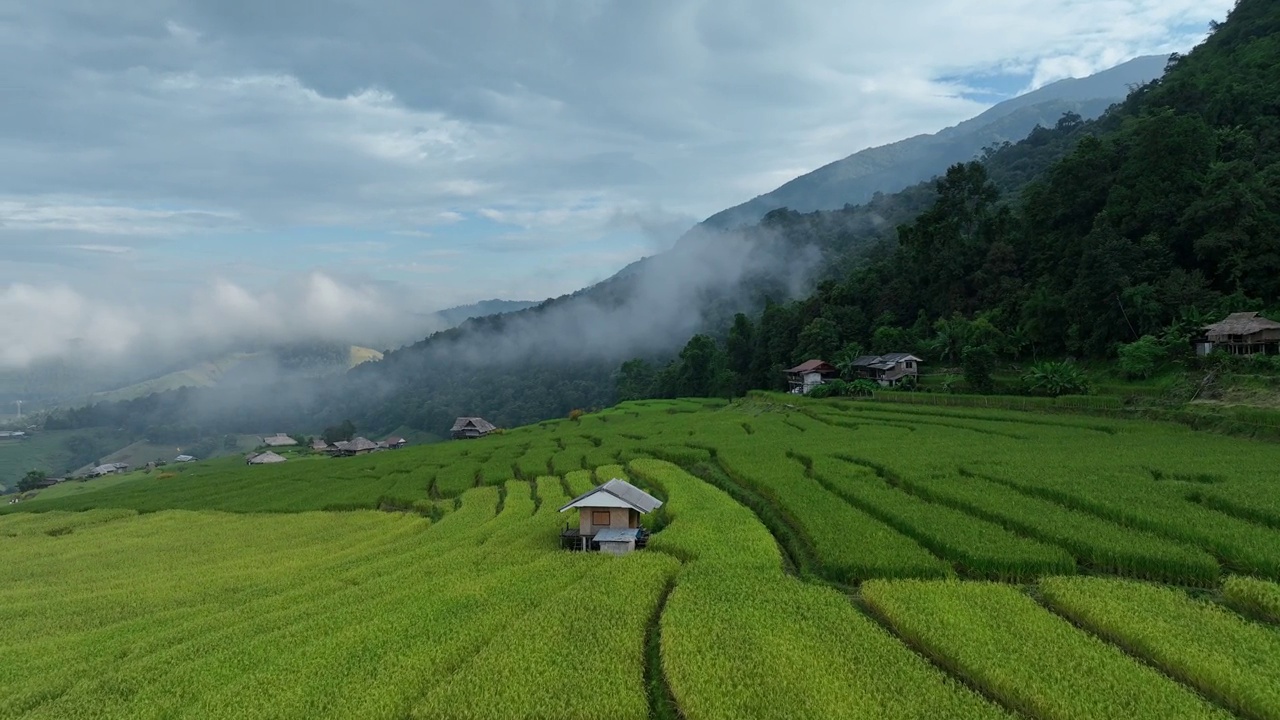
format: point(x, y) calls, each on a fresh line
point(1165, 215)
point(1089, 239)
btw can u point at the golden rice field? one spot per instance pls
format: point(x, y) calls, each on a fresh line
point(824, 559)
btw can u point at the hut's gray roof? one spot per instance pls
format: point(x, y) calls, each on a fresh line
point(624, 491)
point(356, 445)
point(278, 440)
point(266, 458)
point(616, 535)
point(809, 366)
point(1242, 323)
point(478, 423)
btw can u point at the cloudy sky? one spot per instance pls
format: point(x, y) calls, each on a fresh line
point(223, 156)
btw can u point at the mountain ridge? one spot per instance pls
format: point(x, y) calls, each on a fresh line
point(889, 168)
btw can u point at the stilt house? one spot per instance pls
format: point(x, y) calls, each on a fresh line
point(1242, 333)
point(609, 518)
point(808, 375)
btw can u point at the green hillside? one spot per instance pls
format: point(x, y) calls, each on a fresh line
point(819, 558)
point(56, 451)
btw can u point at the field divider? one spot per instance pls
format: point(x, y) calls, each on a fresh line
point(662, 703)
point(1070, 502)
point(1035, 594)
point(934, 659)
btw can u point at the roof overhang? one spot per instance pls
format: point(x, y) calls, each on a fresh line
point(600, 499)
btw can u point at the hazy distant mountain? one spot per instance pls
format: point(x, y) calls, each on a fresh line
point(892, 167)
point(458, 315)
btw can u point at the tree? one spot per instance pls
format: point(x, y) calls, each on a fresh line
point(978, 362)
point(740, 349)
point(635, 381)
point(819, 339)
point(31, 480)
point(703, 369)
point(338, 433)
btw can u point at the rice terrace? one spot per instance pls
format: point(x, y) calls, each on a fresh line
point(824, 559)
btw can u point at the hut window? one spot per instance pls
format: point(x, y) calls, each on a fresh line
point(600, 517)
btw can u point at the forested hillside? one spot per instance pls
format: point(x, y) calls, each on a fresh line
point(1164, 216)
point(893, 167)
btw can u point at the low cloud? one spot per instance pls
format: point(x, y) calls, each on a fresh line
point(94, 326)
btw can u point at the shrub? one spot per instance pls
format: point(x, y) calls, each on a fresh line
point(1139, 359)
point(1051, 379)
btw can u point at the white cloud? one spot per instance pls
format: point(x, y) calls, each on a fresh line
point(599, 128)
point(95, 323)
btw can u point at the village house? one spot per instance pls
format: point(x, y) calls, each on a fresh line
point(609, 518)
point(888, 370)
point(1242, 333)
point(469, 428)
point(184, 459)
point(810, 374)
point(355, 446)
point(279, 440)
point(266, 458)
point(320, 446)
point(395, 442)
point(107, 469)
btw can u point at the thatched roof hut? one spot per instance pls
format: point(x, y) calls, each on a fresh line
point(471, 427)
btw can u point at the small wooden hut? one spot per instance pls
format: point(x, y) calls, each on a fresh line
point(609, 518)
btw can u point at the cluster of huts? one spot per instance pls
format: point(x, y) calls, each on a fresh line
point(342, 448)
point(887, 370)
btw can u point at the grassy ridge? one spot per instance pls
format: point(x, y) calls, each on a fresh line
point(1214, 650)
point(740, 639)
point(1254, 597)
point(1026, 657)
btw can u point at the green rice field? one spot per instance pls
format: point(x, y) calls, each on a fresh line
point(819, 559)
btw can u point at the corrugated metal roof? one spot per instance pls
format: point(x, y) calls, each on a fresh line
point(633, 496)
point(616, 535)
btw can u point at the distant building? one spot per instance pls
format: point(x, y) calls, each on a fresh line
point(101, 470)
point(320, 446)
point(395, 442)
point(1242, 333)
point(888, 370)
point(810, 374)
point(355, 446)
point(466, 428)
point(266, 458)
point(609, 518)
point(184, 459)
point(279, 440)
